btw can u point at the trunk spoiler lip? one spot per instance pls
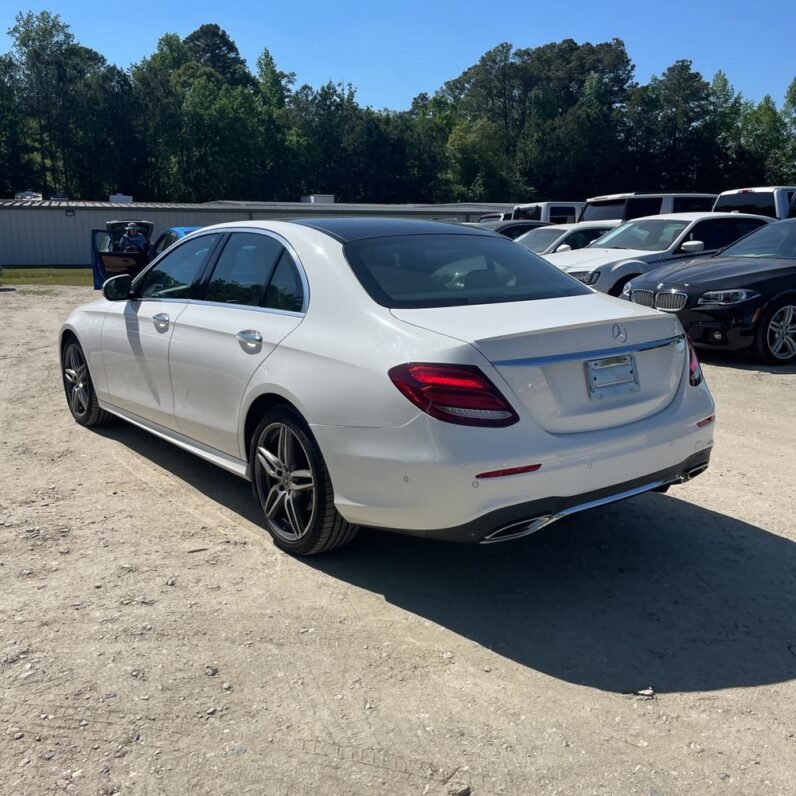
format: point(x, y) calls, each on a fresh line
point(582, 356)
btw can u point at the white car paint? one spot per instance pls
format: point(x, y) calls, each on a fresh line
point(563, 236)
point(606, 269)
point(392, 465)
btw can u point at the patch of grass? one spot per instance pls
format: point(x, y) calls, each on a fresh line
point(79, 277)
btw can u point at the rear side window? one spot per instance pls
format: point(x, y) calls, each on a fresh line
point(643, 206)
point(562, 214)
point(528, 213)
point(692, 204)
point(243, 269)
point(612, 209)
point(414, 271)
point(285, 291)
point(757, 203)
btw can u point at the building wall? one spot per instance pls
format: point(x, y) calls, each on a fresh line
point(59, 234)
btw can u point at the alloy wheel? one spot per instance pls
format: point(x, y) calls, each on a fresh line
point(76, 381)
point(285, 482)
point(781, 334)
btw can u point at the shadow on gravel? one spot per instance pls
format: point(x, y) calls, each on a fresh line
point(652, 591)
point(742, 360)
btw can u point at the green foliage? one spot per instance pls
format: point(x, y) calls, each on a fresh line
point(192, 123)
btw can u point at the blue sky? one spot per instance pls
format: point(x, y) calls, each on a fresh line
point(392, 51)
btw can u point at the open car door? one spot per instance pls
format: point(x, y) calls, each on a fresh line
point(107, 257)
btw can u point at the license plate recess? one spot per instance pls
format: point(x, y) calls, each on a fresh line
point(611, 376)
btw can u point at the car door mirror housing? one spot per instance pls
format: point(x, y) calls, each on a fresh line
point(117, 288)
point(692, 246)
point(564, 247)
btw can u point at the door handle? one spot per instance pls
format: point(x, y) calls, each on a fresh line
point(161, 321)
point(250, 338)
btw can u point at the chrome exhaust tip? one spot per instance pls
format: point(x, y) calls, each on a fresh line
point(694, 472)
point(516, 530)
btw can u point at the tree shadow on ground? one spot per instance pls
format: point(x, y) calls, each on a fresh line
point(652, 591)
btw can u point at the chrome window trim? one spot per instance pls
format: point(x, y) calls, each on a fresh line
point(580, 356)
point(305, 285)
point(231, 305)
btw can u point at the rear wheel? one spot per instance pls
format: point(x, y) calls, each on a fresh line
point(775, 336)
point(293, 487)
point(80, 395)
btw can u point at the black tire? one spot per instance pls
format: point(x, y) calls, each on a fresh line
point(292, 486)
point(775, 334)
point(80, 395)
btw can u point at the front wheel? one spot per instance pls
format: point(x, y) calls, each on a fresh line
point(293, 487)
point(775, 335)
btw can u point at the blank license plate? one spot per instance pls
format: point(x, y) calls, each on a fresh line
point(612, 376)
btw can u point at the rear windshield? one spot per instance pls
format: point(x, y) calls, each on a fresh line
point(772, 240)
point(537, 240)
point(650, 235)
point(415, 271)
point(761, 204)
point(610, 210)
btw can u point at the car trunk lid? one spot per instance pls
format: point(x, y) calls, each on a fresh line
point(581, 363)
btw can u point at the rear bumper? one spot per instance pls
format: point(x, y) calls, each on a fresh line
point(516, 521)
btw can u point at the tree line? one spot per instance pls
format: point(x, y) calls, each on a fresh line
point(191, 122)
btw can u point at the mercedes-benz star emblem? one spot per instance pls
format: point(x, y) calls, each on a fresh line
point(619, 333)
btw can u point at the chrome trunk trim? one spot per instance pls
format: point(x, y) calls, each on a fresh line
point(580, 356)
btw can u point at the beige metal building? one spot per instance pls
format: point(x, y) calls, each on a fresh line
point(50, 233)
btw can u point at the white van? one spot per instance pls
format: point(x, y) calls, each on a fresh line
point(626, 206)
point(549, 212)
point(773, 201)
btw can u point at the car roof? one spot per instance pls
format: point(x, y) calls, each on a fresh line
point(616, 196)
point(697, 216)
point(346, 230)
point(766, 188)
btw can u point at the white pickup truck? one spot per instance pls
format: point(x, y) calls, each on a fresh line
point(774, 201)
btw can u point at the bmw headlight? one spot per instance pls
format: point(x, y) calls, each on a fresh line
point(725, 297)
point(587, 277)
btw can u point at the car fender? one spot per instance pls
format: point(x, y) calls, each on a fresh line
point(620, 270)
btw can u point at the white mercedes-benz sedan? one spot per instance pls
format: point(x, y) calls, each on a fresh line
point(421, 377)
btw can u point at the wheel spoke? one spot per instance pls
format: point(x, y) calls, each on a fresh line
point(70, 375)
point(292, 516)
point(285, 446)
point(74, 400)
point(82, 397)
point(790, 344)
point(301, 480)
point(788, 316)
point(274, 500)
point(272, 466)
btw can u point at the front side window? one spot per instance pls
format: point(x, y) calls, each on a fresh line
point(414, 271)
point(173, 277)
point(243, 269)
point(772, 240)
point(714, 233)
point(651, 235)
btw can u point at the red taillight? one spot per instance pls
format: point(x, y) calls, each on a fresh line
point(694, 368)
point(526, 468)
point(453, 393)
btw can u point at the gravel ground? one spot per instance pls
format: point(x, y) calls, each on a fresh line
point(153, 641)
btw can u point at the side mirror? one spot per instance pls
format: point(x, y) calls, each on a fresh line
point(564, 247)
point(692, 247)
point(117, 288)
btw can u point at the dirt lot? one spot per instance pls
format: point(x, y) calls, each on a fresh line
point(152, 640)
